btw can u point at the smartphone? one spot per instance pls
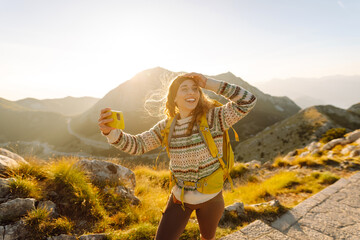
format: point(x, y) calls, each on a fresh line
point(118, 120)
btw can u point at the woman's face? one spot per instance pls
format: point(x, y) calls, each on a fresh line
point(187, 97)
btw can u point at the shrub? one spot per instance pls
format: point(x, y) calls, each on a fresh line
point(281, 162)
point(328, 178)
point(332, 133)
point(238, 170)
point(73, 188)
point(306, 161)
point(33, 170)
point(156, 178)
point(39, 224)
point(143, 231)
point(24, 188)
point(123, 219)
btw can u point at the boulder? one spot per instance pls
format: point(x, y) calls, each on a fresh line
point(237, 208)
point(107, 172)
point(48, 205)
point(353, 136)
point(272, 203)
point(347, 149)
point(303, 154)
point(99, 236)
point(335, 142)
point(253, 164)
point(315, 151)
point(330, 154)
point(62, 237)
point(355, 153)
point(13, 209)
point(15, 231)
point(6, 162)
point(14, 156)
point(125, 193)
point(313, 145)
point(4, 186)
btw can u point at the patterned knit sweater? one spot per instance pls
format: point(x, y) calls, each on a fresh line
point(190, 159)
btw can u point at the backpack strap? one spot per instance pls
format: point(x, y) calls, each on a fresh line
point(209, 141)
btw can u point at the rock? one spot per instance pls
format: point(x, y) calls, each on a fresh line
point(353, 136)
point(355, 153)
point(125, 193)
point(4, 186)
point(303, 154)
point(6, 162)
point(334, 142)
point(347, 149)
point(101, 236)
point(62, 237)
point(330, 154)
point(294, 167)
point(107, 172)
point(14, 156)
point(2, 232)
point(292, 153)
point(237, 208)
point(48, 205)
point(315, 152)
point(15, 208)
point(253, 164)
point(272, 203)
point(15, 231)
point(267, 164)
point(313, 146)
point(349, 165)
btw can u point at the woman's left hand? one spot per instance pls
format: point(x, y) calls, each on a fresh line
point(199, 78)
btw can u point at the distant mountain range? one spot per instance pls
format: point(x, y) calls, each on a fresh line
point(131, 95)
point(68, 106)
point(338, 90)
point(275, 126)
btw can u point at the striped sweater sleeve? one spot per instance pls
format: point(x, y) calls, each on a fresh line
point(137, 144)
point(241, 101)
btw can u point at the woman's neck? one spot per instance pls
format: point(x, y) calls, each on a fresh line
point(184, 114)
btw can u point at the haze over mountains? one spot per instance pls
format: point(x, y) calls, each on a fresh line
point(275, 126)
point(67, 106)
point(338, 90)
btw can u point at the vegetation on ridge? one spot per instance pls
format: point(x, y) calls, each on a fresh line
point(83, 207)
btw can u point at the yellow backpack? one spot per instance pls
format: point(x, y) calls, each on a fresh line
point(214, 182)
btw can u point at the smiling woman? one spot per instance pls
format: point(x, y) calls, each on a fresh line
point(191, 161)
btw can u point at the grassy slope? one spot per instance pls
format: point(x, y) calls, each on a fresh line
point(290, 182)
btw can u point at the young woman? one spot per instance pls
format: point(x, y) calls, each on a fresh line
point(190, 159)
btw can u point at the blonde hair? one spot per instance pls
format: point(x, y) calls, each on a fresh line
point(171, 110)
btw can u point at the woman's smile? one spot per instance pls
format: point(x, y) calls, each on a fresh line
point(187, 97)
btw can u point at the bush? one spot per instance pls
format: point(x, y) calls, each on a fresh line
point(24, 188)
point(332, 133)
point(156, 178)
point(143, 231)
point(39, 224)
point(73, 188)
point(238, 170)
point(328, 178)
point(32, 170)
point(281, 162)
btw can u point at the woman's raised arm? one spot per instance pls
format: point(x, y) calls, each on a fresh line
point(132, 144)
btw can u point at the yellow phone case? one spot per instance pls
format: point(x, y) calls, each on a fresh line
point(118, 120)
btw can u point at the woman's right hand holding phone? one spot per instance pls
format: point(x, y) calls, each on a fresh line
point(103, 120)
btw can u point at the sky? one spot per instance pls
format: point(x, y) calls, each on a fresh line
point(54, 49)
